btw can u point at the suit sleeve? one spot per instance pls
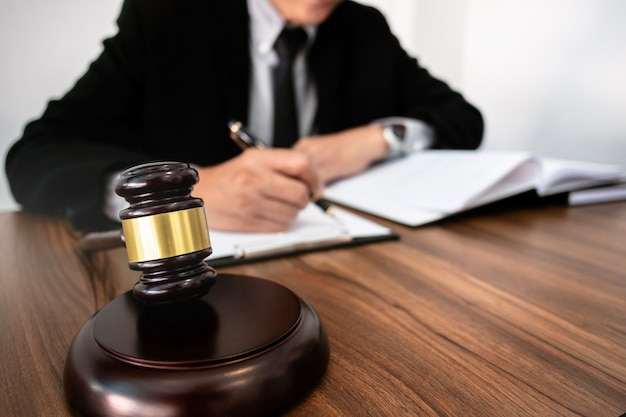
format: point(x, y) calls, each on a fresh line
point(378, 79)
point(457, 123)
point(420, 95)
point(59, 165)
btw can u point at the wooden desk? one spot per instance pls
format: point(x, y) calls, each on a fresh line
point(516, 313)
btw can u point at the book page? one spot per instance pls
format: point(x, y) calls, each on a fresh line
point(433, 182)
point(523, 178)
point(560, 175)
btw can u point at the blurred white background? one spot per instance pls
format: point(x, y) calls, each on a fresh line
point(546, 75)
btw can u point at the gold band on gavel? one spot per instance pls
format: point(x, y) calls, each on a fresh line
point(165, 235)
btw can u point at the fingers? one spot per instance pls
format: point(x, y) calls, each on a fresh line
point(278, 174)
point(344, 153)
point(260, 191)
point(294, 165)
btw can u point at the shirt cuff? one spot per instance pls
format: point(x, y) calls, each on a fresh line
point(113, 203)
point(420, 135)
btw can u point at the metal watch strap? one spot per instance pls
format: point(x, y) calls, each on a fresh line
point(394, 135)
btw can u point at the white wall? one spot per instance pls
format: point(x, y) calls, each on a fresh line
point(44, 46)
point(550, 75)
point(431, 30)
point(546, 74)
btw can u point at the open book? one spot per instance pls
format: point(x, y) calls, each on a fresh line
point(431, 185)
point(312, 230)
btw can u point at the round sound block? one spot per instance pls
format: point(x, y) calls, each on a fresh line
point(250, 347)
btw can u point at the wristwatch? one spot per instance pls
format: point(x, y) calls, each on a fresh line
point(395, 136)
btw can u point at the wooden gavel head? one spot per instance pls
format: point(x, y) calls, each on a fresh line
point(165, 232)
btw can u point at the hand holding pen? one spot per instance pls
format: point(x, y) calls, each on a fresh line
point(244, 139)
point(260, 210)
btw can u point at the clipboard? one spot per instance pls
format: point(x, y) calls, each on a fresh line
point(312, 230)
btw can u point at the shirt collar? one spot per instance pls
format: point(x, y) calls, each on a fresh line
point(266, 24)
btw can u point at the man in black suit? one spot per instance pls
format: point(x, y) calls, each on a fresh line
point(166, 85)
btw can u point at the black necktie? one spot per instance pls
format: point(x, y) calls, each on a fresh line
point(287, 46)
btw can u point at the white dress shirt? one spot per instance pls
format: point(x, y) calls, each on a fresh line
point(265, 26)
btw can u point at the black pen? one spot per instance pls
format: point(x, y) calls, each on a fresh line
point(244, 139)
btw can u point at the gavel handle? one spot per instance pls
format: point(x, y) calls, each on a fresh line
point(95, 241)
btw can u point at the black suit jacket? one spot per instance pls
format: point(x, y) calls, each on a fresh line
point(166, 84)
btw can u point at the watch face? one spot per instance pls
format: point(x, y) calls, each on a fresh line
point(394, 135)
point(399, 131)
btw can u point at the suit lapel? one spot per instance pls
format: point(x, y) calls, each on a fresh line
point(325, 65)
point(235, 57)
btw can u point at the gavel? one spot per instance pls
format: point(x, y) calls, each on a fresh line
point(187, 341)
point(164, 231)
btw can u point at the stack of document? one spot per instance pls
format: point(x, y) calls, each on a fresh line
point(599, 194)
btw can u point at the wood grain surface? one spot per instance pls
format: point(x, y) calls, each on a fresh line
point(517, 312)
